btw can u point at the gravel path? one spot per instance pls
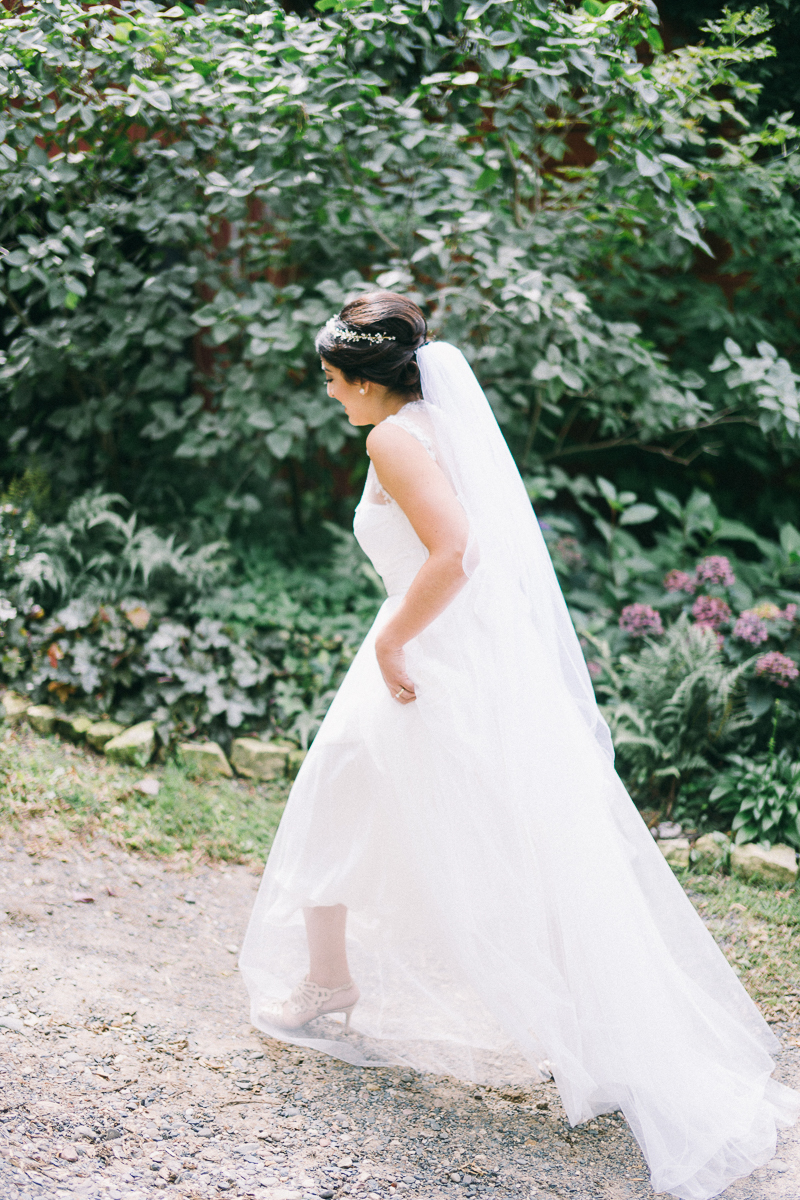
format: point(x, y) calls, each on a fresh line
point(128, 1067)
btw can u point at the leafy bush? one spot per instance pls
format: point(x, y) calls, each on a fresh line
point(186, 195)
point(136, 626)
point(764, 794)
point(691, 634)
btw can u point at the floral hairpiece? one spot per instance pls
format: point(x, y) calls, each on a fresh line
point(341, 333)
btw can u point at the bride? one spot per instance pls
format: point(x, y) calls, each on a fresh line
point(457, 840)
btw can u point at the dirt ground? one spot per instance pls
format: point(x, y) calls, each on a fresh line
point(128, 1066)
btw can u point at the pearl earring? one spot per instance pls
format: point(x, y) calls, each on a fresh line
point(361, 391)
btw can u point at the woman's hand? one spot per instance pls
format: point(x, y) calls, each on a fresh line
point(392, 662)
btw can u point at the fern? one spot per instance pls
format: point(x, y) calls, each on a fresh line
point(96, 552)
point(674, 710)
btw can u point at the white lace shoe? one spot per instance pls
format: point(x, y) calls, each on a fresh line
point(310, 1000)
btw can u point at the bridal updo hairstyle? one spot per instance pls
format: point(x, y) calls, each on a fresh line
point(395, 329)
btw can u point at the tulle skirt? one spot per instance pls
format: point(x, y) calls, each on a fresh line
point(508, 907)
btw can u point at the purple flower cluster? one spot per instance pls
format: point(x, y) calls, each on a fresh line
point(679, 581)
point(753, 624)
point(779, 667)
point(716, 569)
point(751, 628)
point(640, 619)
point(710, 611)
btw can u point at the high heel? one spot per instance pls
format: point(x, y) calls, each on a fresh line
point(310, 1000)
point(348, 1012)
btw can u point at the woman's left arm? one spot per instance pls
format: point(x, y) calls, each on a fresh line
point(411, 477)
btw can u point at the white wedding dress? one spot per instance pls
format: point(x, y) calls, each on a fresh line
point(507, 906)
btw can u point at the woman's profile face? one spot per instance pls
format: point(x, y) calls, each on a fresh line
point(360, 409)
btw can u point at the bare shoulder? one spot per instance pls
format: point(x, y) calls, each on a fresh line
point(388, 441)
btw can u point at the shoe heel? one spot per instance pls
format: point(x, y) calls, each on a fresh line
point(348, 1012)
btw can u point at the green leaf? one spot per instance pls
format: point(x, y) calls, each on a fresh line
point(654, 39)
point(638, 514)
point(606, 490)
point(647, 167)
point(280, 443)
point(487, 178)
point(670, 503)
point(159, 99)
point(261, 420)
point(790, 540)
point(760, 698)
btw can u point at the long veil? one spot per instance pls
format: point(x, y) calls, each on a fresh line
point(507, 550)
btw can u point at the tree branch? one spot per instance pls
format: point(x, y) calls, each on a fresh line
point(668, 452)
point(536, 414)
point(515, 170)
point(365, 211)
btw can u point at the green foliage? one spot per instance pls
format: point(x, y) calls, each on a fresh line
point(763, 793)
point(94, 553)
point(673, 707)
point(103, 614)
point(679, 694)
point(184, 199)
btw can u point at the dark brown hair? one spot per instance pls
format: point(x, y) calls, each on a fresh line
point(391, 363)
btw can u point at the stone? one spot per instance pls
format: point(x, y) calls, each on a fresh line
point(676, 852)
point(135, 746)
point(147, 786)
point(69, 1154)
point(204, 758)
point(42, 718)
point(711, 852)
point(258, 760)
point(15, 706)
point(72, 727)
point(99, 734)
point(752, 862)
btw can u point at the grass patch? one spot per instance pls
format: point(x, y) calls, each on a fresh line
point(50, 788)
point(758, 928)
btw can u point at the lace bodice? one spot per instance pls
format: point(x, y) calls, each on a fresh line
point(382, 529)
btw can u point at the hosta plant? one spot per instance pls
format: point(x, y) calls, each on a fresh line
point(766, 793)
